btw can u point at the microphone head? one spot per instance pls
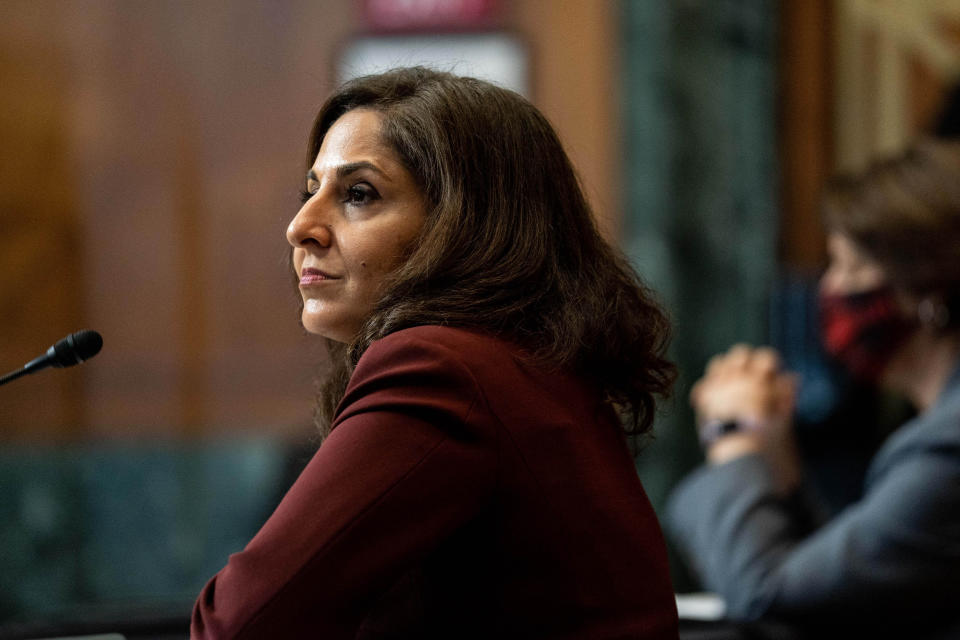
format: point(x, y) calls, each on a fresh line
point(75, 348)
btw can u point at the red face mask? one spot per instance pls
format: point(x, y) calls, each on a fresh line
point(863, 330)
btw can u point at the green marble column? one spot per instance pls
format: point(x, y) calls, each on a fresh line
point(699, 91)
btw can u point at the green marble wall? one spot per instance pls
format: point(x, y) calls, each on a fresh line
point(699, 91)
point(106, 527)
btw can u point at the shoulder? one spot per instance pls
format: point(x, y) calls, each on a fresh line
point(919, 466)
point(935, 432)
point(450, 337)
point(443, 346)
point(440, 366)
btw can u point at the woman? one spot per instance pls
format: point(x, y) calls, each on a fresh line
point(890, 303)
point(474, 480)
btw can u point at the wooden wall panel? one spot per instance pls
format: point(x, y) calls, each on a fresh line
point(41, 265)
point(576, 69)
point(214, 107)
point(805, 132)
point(161, 213)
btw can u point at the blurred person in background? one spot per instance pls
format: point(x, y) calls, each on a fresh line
point(486, 343)
point(890, 313)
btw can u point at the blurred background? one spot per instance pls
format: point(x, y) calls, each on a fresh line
point(152, 155)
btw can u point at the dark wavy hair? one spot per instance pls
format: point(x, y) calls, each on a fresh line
point(509, 246)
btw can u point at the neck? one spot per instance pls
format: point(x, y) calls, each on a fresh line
point(921, 368)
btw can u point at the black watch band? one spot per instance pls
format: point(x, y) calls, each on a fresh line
point(712, 430)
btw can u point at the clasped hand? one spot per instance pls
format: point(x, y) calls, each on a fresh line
point(747, 384)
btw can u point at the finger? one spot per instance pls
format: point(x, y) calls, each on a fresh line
point(765, 360)
point(739, 354)
point(700, 397)
point(714, 365)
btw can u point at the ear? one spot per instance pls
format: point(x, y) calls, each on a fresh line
point(933, 313)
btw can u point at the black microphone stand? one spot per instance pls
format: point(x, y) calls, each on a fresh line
point(13, 375)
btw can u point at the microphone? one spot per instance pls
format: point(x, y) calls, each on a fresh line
point(73, 349)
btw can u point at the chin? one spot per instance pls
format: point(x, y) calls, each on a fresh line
point(323, 329)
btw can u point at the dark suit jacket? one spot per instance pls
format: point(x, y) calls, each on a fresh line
point(887, 565)
point(462, 493)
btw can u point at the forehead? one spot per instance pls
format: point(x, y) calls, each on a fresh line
point(353, 135)
point(840, 246)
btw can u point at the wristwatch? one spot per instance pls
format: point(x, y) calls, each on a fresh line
point(712, 430)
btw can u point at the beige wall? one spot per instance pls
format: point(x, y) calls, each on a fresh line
point(151, 159)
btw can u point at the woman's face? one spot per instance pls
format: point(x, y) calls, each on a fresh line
point(364, 211)
point(850, 270)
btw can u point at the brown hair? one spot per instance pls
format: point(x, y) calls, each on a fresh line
point(509, 246)
point(904, 212)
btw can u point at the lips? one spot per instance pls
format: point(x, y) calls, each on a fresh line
point(309, 275)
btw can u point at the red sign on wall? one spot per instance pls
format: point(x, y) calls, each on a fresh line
point(429, 15)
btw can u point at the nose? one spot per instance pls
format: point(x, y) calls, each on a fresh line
point(308, 227)
point(830, 281)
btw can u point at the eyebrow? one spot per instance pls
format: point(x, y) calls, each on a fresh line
point(345, 170)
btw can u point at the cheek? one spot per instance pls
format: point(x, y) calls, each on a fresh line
point(297, 260)
point(374, 260)
point(374, 255)
point(370, 272)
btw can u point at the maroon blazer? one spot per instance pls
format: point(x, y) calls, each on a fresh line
point(462, 493)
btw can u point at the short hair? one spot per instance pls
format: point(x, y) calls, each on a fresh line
point(904, 212)
point(509, 246)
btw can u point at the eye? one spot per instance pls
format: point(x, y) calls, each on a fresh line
point(309, 191)
point(361, 194)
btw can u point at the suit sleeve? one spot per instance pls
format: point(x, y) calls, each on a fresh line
point(403, 467)
point(894, 554)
